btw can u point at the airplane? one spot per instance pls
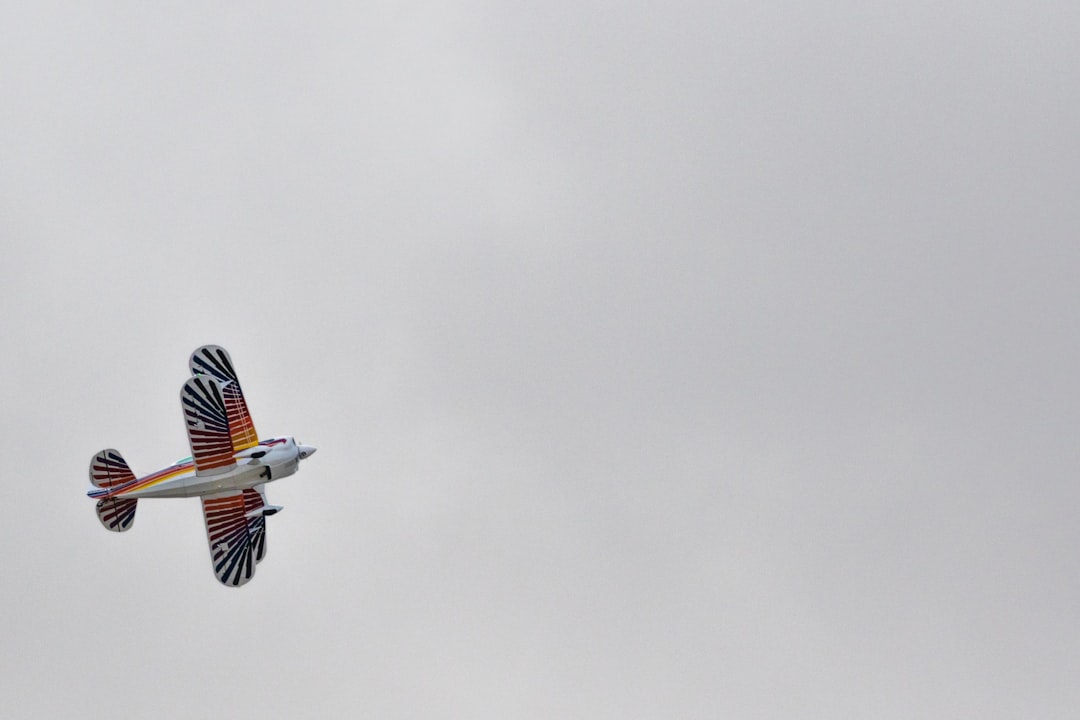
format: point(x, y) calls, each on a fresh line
point(228, 469)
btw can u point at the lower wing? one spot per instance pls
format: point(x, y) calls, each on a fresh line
point(236, 532)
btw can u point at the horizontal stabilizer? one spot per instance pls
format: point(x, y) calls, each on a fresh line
point(108, 469)
point(117, 514)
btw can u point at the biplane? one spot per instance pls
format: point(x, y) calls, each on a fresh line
point(228, 469)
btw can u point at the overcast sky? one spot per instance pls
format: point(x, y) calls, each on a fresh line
point(689, 360)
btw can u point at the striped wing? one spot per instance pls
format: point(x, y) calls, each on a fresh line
point(256, 500)
point(214, 361)
point(237, 542)
point(207, 425)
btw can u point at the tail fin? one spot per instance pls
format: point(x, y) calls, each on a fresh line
point(117, 514)
point(109, 470)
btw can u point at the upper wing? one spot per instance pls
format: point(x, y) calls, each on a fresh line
point(214, 360)
point(236, 533)
point(207, 425)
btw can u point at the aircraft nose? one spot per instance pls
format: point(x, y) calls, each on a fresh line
point(306, 451)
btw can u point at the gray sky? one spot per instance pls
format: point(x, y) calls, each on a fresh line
point(697, 360)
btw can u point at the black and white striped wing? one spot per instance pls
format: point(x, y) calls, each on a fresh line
point(236, 532)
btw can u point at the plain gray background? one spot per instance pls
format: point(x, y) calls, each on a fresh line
point(686, 360)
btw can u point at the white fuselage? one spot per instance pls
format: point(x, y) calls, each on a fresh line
point(268, 461)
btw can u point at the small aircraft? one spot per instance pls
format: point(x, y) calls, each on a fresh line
point(228, 468)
